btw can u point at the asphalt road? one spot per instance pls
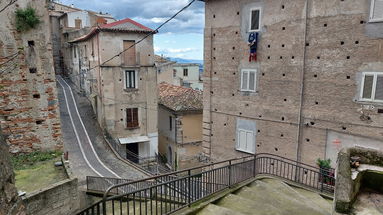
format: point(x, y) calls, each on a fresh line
point(89, 154)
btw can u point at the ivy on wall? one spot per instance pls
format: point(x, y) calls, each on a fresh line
point(26, 19)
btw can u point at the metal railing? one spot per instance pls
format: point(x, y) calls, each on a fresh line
point(152, 165)
point(171, 192)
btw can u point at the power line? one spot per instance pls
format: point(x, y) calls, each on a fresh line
point(9, 4)
point(139, 41)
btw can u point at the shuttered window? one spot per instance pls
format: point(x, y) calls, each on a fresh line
point(376, 11)
point(248, 80)
point(245, 141)
point(132, 117)
point(372, 87)
point(130, 79)
point(129, 53)
point(255, 19)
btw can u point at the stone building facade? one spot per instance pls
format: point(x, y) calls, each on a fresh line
point(122, 89)
point(29, 112)
point(316, 86)
point(180, 125)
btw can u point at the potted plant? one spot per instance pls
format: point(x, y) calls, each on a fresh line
point(326, 174)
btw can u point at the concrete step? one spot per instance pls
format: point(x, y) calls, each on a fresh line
point(289, 203)
point(212, 209)
point(249, 207)
point(368, 203)
point(285, 189)
point(316, 199)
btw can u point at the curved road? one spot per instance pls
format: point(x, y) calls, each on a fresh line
point(83, 139)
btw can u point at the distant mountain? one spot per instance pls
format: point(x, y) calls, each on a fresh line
point(181, 60)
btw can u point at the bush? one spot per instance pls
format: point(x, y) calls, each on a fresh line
point(26, 19)
point(22, 161)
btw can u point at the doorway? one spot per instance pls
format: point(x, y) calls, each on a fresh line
point(132, 152)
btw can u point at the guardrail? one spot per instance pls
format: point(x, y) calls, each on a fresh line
point(171, 192)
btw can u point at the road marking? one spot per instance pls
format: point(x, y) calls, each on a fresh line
point(86, 132)
point(75, 132)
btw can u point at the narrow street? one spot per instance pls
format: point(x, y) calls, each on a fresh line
point(89, 154)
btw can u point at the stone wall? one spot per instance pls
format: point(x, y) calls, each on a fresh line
point(322, 56)
point(10, 203)
point(58, 199)
point(29, 111)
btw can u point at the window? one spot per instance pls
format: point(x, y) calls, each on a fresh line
point(246, 141)
point(130, 79)
point(170, 123)
point(255, 19)
point(186, 71)
point(376, 11)
point(248, 80)
point(174, 73)
point(130, 54)
point(372, 87)
point(132, 117)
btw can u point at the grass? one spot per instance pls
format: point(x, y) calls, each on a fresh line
point(36, 170)
point(24, 161)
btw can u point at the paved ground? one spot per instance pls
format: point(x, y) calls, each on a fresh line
point(89, 154)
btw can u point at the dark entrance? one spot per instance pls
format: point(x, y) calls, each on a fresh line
point(132, 152)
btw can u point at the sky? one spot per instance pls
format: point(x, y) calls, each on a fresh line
point(180, 38)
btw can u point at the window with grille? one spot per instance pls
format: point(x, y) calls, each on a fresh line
point(249, 80)
point(130, 79)
point(376, 11)
point(246, 141)
point(132, 117)
point(255, 19)
point(372, 87)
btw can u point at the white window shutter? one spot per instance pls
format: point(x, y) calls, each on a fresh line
point(379, 88)
point(376, 10)
point(242, 140)
point(367, 86)
point(252, 81)
point(244, 80)
point(249, 141)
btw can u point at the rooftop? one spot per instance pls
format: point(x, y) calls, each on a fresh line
point(126, 25)
point(179, 98)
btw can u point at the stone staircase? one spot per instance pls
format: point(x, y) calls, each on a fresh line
point(271, 197)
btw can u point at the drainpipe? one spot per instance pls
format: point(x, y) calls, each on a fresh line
point(299, 134)
point(211, 88)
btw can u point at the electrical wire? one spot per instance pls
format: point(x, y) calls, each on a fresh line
point(9, 4)
point(139, 41)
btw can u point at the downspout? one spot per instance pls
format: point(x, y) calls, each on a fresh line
point(299, 135)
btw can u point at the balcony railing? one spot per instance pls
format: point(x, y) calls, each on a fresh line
point(168, 193)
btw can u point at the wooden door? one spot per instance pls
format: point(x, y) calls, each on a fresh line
point(78, 23)
point(130, 54)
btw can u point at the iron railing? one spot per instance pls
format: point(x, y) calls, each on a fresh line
point(152, 165)
point(168, 193)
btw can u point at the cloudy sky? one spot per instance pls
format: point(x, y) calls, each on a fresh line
point(182, 37)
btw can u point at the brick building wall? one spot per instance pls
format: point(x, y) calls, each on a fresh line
point(321, 52)
point(29, 112)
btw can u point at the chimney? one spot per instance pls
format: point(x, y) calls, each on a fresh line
point(72, 5)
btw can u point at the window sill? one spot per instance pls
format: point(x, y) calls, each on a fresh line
point(132, 128)
point(131, 90)
point(364, 102)
point(375, 21)
point(244, 151)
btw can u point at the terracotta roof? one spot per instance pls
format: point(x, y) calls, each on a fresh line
point(179, 98)
point(125, 25)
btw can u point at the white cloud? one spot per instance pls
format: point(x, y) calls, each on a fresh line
point(174, 51)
